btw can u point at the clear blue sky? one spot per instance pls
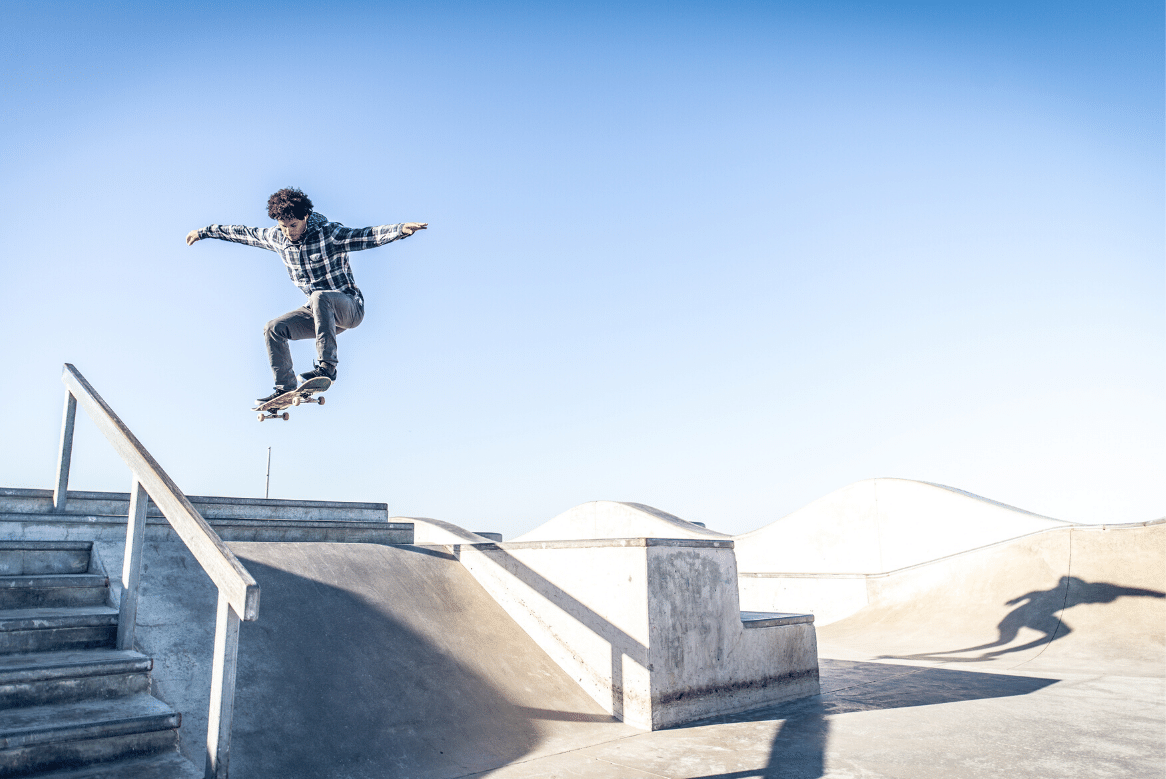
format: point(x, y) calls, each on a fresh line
point(720, 258)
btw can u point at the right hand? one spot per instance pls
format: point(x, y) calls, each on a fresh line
point(191, 237)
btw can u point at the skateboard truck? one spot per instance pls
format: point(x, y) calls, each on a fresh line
point(295, 402)
point(305, 393)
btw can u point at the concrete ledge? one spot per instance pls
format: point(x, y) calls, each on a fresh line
point(79, 528)
point(45, 546)
point(601, 543)
point(26, 501)
point(773, 619)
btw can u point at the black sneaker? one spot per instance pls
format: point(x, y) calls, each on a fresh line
point(321, 369)
point(278, 391)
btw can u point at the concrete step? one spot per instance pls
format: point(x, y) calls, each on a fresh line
point(53, 590)
point(44, 557)
point(57, 629)
point(75, 735)
point(111, 526)
point(167, 765)
point(23, 501)
point(43, 678)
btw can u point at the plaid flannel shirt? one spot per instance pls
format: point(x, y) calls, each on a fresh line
point(319, 260)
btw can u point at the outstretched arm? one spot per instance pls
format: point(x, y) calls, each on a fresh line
point(251, 236)
point(356, 238)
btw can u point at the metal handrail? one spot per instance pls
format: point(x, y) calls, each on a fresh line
point(238, 591)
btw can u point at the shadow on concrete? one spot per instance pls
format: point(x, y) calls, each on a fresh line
point(371, 661)
point(798, 750)
point(1042, 611)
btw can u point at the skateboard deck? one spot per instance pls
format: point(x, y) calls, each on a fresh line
point(305, 393)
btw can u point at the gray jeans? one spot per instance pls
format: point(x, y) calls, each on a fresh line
point(326, 314)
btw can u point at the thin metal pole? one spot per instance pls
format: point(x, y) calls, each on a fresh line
point(131, 570)
point(222, 704)
point(65, 456)
point(267, 485)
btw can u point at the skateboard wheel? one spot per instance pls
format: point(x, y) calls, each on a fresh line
point(262, 417)
point(320, 401)
point(286, 416)
point(297, 400)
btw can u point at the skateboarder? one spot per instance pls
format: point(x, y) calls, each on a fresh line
point(315, 252)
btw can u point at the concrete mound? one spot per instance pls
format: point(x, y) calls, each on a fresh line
point(610, 519)
point(437, 531)
point(882, 525)
point(373, 661)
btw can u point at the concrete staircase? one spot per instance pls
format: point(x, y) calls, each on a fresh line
point(71, 705)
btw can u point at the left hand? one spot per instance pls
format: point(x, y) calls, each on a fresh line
point(411, 227)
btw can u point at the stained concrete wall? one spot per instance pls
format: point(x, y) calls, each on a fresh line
point(651, 628)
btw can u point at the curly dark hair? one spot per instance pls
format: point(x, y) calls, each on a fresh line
point(288, 203)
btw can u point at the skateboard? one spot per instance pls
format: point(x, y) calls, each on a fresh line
point(301, 394)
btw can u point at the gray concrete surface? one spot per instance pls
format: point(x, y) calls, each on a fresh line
point(1040, 658)
point(1043, 656)
point(355, 673)
point(374, 661)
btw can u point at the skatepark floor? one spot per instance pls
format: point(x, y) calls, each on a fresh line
point(877, 720)
point(1041, 657)
point(1049, 671)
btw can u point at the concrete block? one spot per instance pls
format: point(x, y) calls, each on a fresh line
point(650, 628)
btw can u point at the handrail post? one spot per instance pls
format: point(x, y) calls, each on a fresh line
point(131, 569)
point(65, 455)
point(222, 708)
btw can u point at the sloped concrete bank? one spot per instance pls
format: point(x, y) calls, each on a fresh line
point(833, 597)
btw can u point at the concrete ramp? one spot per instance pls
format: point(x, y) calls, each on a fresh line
point(600, 519)
point(1089, 600)
point(376, 661)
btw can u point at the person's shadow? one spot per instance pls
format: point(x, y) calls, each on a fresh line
point(1041, 610)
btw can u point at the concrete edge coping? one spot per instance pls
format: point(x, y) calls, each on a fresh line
point(883, 574)
point(592, 543)
point(17, 492)
point(771, 619)
point(46, 546)
point(119, 519)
